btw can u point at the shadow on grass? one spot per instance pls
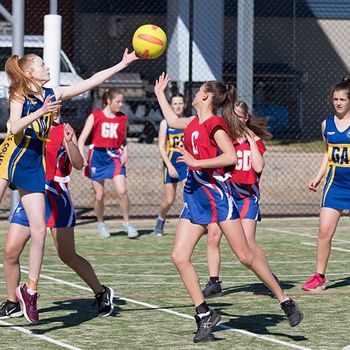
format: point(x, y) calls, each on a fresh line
point(82, 310)
point(340, 283)
point(123, 233)
point(256, 288)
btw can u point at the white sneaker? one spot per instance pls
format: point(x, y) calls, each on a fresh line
point(130, 230)
point(102, 230)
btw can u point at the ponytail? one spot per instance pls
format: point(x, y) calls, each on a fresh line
point(258, 126)
point(109, 94)
point(20, 83)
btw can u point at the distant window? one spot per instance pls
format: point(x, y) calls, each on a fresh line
point(5, 53)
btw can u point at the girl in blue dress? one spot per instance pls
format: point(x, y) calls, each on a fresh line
point(335, 167)
point(22, 155)
point(172, 172)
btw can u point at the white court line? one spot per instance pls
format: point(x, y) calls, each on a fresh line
point(157, 308)
point(303, 234)
point(234, 262)
point(40, 336)
point(333, 248)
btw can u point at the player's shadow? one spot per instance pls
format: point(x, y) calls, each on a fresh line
point(340, 283)
point(123, 233)
point(257, 324)
point(82, 310)
point(255, 288)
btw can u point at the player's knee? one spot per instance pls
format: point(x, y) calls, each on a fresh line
point(66, 256)
point(121, 194)
point(10, 255)
point(178, 258)
point(99, 197)
point(246, 258)
point(213, 240)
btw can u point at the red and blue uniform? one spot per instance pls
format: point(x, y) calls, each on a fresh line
point(59, 207)
point(105, 151)
point(207, 193)
point(174, 138)
point(245, 182)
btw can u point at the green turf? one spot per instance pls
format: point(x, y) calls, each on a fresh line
point(141, 273)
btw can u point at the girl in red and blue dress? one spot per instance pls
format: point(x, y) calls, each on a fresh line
point(22, 154)
point(173, 172)
point(61, 154)
point(208, 197)
point(244, 180)
point(108, 156)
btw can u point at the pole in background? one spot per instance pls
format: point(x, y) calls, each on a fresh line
point(17, 49)
point(245, 48)
point(52, 47)
point(53, 7)
point(190, 57)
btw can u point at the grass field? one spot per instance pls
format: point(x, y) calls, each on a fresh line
point(153, 310)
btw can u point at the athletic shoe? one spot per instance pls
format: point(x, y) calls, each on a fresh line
point(104, 301)
point(10, 309)
point(28, 303)
point(130, 230)
point(315, 283)
point(212, 289)
point(102, 230)
point(159, 227)
point(205, 325)
point(291, 309)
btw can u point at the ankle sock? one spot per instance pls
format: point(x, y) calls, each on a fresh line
point(202, 308)
point(322, 275)
point(214, 279)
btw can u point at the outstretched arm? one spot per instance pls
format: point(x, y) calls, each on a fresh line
point(172, 119)
point(66, 92)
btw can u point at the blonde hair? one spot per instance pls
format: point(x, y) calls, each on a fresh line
point(20, 83)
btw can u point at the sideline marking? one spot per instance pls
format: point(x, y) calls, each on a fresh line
point(157, 308)
point(333, 248)
point(40, 336)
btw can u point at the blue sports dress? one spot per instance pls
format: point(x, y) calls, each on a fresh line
point(336, 192)
point(22, 156)
point(174, 138)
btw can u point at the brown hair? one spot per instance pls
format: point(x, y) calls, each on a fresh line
point(344, 84)
point(109, 94)
point(224, 96)
point(20, 83)
point(177, 94)
point(258, 126)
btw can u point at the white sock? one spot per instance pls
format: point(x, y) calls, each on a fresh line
point(31, 291)
point(284, 300)
point(160, 218)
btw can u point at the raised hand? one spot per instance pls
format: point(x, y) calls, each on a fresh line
point(161, 83)
point(129, 57)
point(68, 132)
point(50, 107)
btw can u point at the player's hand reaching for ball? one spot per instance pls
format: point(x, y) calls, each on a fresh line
point(129, 57)
point(161, 83)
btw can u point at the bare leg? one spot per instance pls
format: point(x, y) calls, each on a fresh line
point(16, 239)
point(235, 236)
point(328, 223)
point(34, 206)
point(249, 227)
point(3, 186)
point(65, 245)
point(99, 199)
point(213, 250)
point(168, 199)
point(187, 236)
point(122, 195)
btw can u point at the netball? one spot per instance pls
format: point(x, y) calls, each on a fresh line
point(149, 41)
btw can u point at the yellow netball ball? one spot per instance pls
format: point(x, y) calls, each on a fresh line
point(149, 41)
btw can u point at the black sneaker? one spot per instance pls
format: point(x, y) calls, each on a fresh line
point(205, 325)
point(291, 309)
point(212, 289)
point(104, 301)
point(10, 309)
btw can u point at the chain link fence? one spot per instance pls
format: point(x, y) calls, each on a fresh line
point(300, 49)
